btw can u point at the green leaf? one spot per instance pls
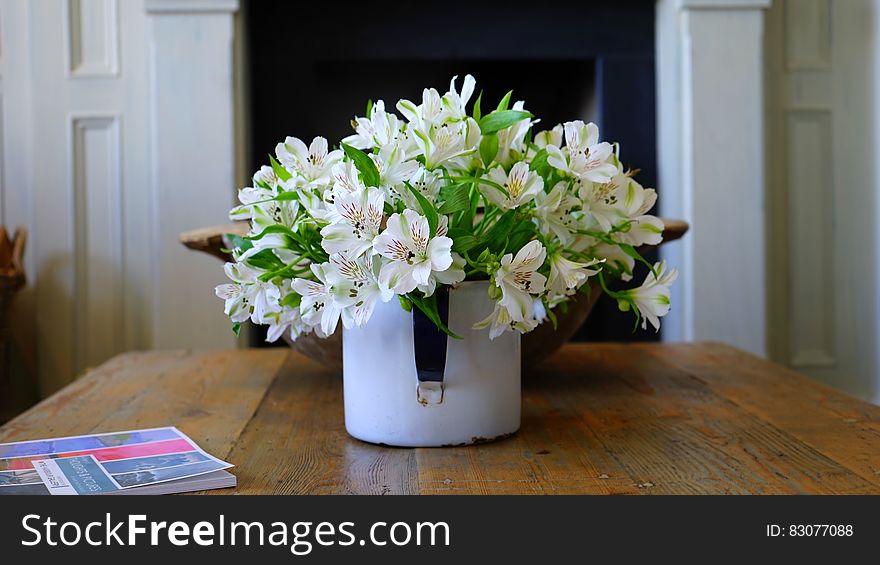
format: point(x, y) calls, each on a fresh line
point(478, 113)
point(427, 209)
point(523, 233)
point(631, 251)
point(498, 120)
point(239, 242)
point(265, 260)
point(369, 108)
point(505, 102)
point(464, 243)
point(428, 306)
point(280, 171)
point(456, 198)
point(365, 165)
point(488, 148)
point(236, 328)
point(275, 228)
point(480, 180)
point(498, 233)
point(405, 303)
point(286, 196)
point(292, 300)
point(539, 163)
point(455, 232)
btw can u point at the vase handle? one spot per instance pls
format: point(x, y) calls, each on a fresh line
point(429, 348)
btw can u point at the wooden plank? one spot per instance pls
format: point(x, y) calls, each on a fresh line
point(673, 434)
point(210, 396)
point(842, 428)
point(597, 418)
point(296, 442)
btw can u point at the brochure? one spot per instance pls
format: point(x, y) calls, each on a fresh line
point(151, 461)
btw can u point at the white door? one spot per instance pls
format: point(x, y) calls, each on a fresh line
point(822, 188)
point(117, 135)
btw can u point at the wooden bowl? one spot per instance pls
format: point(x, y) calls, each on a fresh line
point(536, 345)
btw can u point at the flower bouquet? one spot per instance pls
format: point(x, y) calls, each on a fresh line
point(411, 210)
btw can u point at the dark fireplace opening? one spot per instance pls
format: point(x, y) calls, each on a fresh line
point(311, 73)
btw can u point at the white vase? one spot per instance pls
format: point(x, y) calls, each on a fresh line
point(479, 397)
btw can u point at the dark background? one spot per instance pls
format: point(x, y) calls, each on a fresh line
point(311, 72)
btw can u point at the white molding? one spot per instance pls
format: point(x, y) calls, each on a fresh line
point(190, 6)
point(807, 31)
point(93, 273)
point(710, 117)
point(193, 171)
point(810, 296)
point(75, 38)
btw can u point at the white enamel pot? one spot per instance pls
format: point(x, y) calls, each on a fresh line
point(470, 395)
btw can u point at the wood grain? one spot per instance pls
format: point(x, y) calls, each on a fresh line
point(597, 419)
point(211, 396)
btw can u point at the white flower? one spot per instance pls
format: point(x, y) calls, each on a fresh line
point(354, 280)
point(265, 183)
point(604, 201)
point(393, 166)
point(567, 276)
point(380, 129)
point(518, 279)
point(246, 297)
point(511, 140)
point(237, 299)
point(454, 104)
point(266, 176)
point(313, 163)
point(319, 307)
point(451, 276)
point(425, 114)
point(317, 206)
point(617, 259)
point(584, 156)
point(549, 137)
point(413, 255)
point(643, 228)
point(280, 321)
point(441, 143)
point(499, 321)
point(428, 183)
point(652, 298)
point(521, 185)
point(361, 215)
point(554, 212)
point(258, 207)
point(345, 177)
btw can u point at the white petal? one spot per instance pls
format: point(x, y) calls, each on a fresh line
point(439, 253)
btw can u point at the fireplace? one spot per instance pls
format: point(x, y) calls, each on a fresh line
point(310, 73)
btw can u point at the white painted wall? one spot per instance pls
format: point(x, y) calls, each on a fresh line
point(710, 85)
point(118, 135)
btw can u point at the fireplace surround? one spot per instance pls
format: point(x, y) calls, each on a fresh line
point(595, 64)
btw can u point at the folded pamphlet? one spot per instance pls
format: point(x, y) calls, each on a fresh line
point(151, 461)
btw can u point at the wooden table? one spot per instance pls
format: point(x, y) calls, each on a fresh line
point(604, 419)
